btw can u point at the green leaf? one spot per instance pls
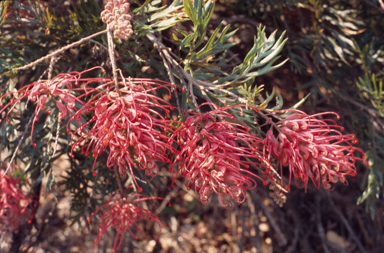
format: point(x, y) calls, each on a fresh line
point(279, 102)
point(190, 11)
point(166, 12)
point(186, 41)
point(208, 47)
point(50, 182)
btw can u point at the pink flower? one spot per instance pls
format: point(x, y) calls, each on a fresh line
point(123, 213)
point(13, 204)
point(43, 91)
point(132, 126)
point(116, 16)
point(216, 151)
point(314, 148)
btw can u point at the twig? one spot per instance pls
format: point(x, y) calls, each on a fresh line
point(367, 237)
point(373, 5)
point(90, 196)
point(170, 75)
point(118, 180)
point(167, 59)
point(191, 94)
point(254, 222)
point(371, 111)
point(191, 81)
point(131, 181)
point(19, 144)
point(134, 243)
point(241, 239)
point(234, 226)
point(320, 228)
point(272, 221)
point(296, 220)
point(346, 223)
point(57, 136)
point(166, 200)
point(59, 51)
point(50, 69)
point(273, 183)
point(100, 44)
point(113, 60)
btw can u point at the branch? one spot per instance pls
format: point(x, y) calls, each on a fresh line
point(320, 227)
point(272, 221)
point(113, 60)
point(346, 223)
point(59, 51)
point(201, 85)
point(18, 145)
point(166, 200)
point(90, 197)
point(252, 220)
point(376, 7)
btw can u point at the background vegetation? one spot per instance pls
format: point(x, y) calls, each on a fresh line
point(335, 51)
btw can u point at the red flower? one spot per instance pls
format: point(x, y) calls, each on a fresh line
point(132, 126)
point(13, 204)
point(216, 151)
point(314, 148)
point(123, 213)
point(59, 89)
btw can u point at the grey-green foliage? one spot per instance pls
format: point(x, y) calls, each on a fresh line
point(161, 18)
point(209, 58)
point(371, 88)
point(336, 53)
point(262, 56)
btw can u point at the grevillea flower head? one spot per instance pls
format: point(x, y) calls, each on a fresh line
point(216, 151)
point(13, 204)
point(60, 89)
point(123, 214)
point(132, 125)
point(314, 148)
point(116, 16)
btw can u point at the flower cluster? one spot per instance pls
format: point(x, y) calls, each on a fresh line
point(13, 204)
point(59, 89)
point(131, 125)
point(314, 148)
point(216, 151)
point(116, 16)
point(123, 213)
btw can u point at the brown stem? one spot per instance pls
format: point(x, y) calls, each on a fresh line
point(118, 180)
point(271, 220)
point(113, 60)
point(59, 51)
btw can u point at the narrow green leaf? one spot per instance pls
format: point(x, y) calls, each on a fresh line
point(190, 11)
point(187, 40)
